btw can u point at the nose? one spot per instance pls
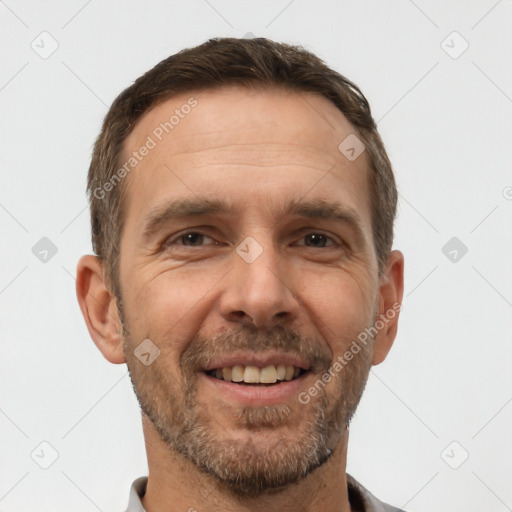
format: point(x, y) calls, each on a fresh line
point(260, 293)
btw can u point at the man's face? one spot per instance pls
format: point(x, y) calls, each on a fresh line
point(263, 259)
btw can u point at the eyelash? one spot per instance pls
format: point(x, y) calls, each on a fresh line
point(171, 240)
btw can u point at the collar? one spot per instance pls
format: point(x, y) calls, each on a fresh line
point(361, 500)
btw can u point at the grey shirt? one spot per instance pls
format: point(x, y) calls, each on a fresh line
point(360, 499)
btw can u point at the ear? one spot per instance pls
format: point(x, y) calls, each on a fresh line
point(390, 302)
point(99, 308)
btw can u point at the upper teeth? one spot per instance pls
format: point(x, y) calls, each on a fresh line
point(255, 375)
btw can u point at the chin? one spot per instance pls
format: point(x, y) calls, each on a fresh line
point(263, 452)
point(262, 463)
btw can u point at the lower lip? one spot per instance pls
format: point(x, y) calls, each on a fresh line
point(258, 396)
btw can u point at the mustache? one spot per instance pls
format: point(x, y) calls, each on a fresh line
point(203, 348)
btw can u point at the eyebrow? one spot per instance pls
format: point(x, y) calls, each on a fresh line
point(181, 209)
point(328, 210)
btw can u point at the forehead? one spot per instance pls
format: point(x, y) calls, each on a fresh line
point(246, 143)
point(238, 114)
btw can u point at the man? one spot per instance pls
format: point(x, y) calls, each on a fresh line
point(242, 211)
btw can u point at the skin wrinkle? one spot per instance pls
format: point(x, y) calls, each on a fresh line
point(369, 236)
point(188, 433)
point(196, 356)
point(204, 447)
point(347, 226)
point(197, 453)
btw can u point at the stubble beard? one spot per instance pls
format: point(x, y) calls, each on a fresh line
point(244, 466)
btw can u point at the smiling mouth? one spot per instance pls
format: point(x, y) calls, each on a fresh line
point(255, 376)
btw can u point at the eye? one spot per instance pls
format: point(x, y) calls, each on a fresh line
point(318, 240)
point(188, 239)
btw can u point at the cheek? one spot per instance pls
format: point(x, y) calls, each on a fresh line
point(340, 306)
point(168, 308)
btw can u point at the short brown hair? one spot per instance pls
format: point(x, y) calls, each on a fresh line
point(222, 62)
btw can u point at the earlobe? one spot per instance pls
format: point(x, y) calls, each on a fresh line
point(390, 302)
point(99, 309)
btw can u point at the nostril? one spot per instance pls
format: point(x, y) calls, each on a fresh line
point(237, 315)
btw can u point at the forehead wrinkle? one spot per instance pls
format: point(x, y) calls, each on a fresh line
point(307, 138)
point(264, 158)
point(264, 152)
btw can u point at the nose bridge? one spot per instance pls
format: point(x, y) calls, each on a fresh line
point(259, 291)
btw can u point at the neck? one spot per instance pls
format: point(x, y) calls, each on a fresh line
point(176, 484)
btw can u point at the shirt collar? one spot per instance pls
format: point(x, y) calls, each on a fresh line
point(361, 500)
point(137, 491)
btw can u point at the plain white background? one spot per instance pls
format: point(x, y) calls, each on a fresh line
point(443, 394)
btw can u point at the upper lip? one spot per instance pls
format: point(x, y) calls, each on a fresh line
point(259, 359)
